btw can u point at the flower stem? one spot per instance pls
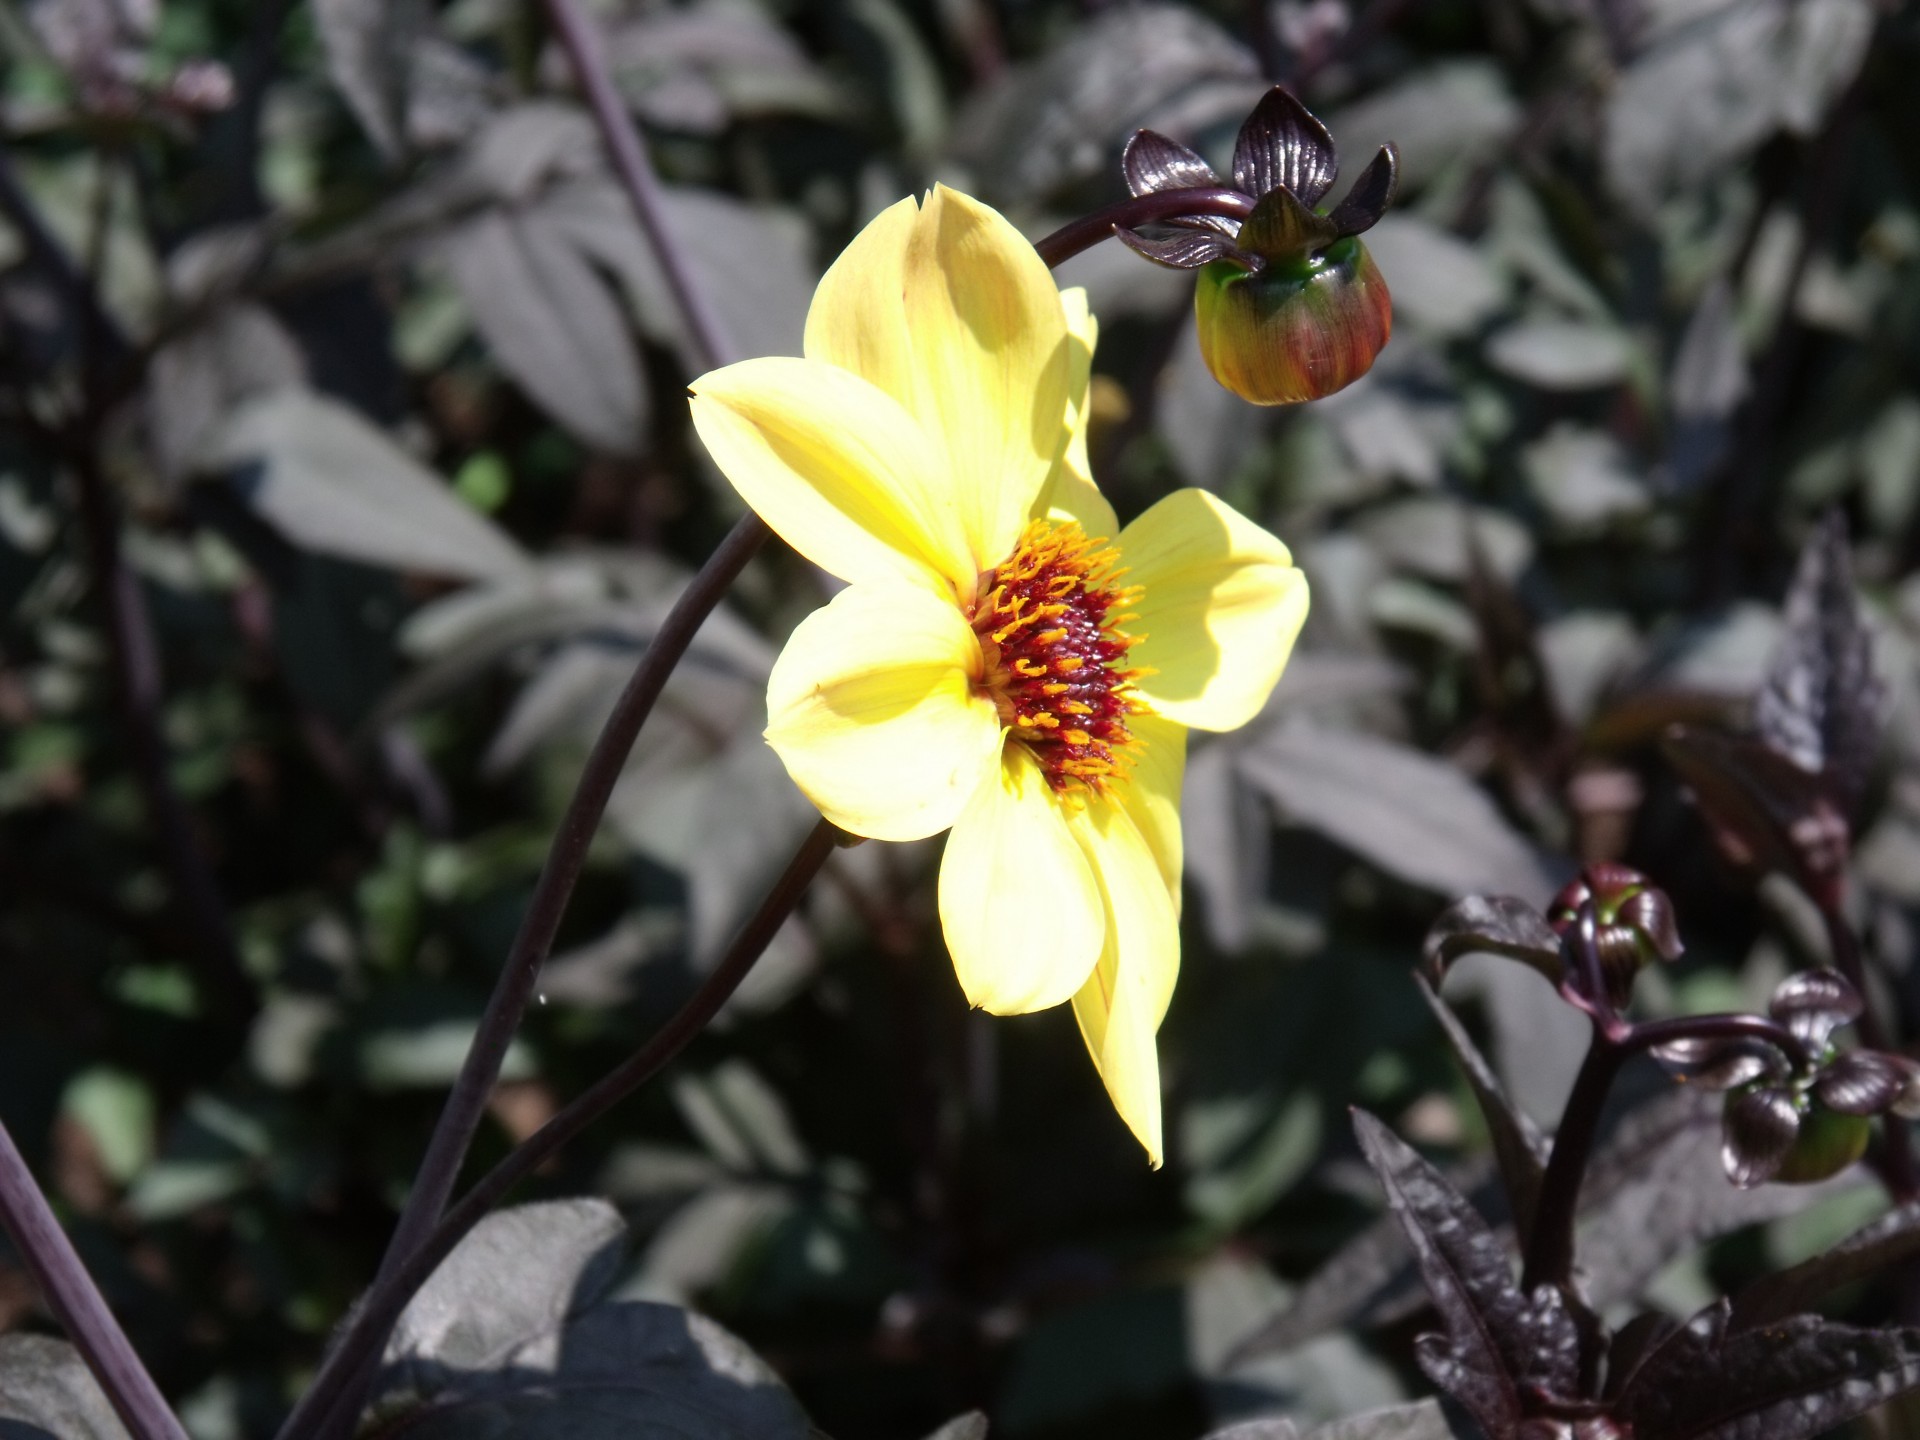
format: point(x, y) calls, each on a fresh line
point(348, 1368)
point(581, 40)
point(567, 856)
point(1549, 1252)
point(466, 1103)
point(1089, 230)
point(44, 1248)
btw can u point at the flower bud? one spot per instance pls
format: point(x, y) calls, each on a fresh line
point(1828, 1143)
point(1634, 923)
point(1293, 332)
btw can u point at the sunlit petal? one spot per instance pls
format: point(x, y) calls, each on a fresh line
point(1151, 794)
point(1018, 901)
point(1125, 998)
point(1071, 494)
point(839, 470)
point(872, 709)
point(950, 311)
point(1221, 606)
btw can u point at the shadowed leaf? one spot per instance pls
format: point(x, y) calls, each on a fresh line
point(1823, 701)
point(1867, 1252)
point(1502, 1347)
point(1791, 1380)
point(1766, 812)
point(1518, 1146)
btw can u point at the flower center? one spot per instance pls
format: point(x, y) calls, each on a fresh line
point(1049, 619)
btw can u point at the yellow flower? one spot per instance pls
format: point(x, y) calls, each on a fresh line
point(1005, 660)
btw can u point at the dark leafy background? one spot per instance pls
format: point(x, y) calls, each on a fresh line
point(409, 482)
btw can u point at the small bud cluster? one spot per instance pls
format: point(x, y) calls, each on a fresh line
point(1802, 1113)
point(1634, 924)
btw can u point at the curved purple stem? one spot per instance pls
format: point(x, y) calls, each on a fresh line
point(1160, 206)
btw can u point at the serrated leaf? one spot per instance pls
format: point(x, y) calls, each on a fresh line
point(1868, 1252)
point(328, 481)
point(553, 324)
point(1503, 1349)
point(1422, 1420)
point(1823, 703)
point(1518, 1147)
point(1412, 815)
point(46, 1391)
point(1792, 1380)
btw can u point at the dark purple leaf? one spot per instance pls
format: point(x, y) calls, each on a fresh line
point(1655, 1190)
point(1502, 1348)
point(1370, 196)
point(1187, 250)
point(1282, 145)
point(1765, 811)
point(1757, 1132)
point(1491, 925)
point(1153, 162)
point(1823, 704)
point(1791, 1380)
point(1861, 1082)
point(1867, 1252)
point(1518, 1147)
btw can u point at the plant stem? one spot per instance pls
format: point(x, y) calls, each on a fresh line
point(140, 696)
point(1549, 1252)
point(1089, 230)
point(136, 667)
point(566, 857)
point(582, 42)
point(1649, 1033)
point(348, 1367)
point(466, 1103)
point(77, 1304)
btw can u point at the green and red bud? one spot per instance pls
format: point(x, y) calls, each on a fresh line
point(1293, 332)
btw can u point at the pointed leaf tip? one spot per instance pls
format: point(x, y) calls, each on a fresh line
point(1370, 196)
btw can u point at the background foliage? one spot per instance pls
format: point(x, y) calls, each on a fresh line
point(406, 481)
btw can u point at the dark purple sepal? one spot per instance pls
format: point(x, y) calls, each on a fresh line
point(1281, 228)
point(1861, 1082)
point(1282, 146)
point(1370, 196)
point(1154, 162)
point(1720, 1062)
point(1757, 1131)
point(1188, 249)
point(1813, 1004)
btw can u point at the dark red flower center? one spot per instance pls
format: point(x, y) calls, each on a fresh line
point(1050, 620)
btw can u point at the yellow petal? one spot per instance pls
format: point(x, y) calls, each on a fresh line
point(1121, 1005)
point(1151, 793)
point(1072, 494)
point(950, 311)
point(871, 707)
point(1220, 608)
point(1018, 902)
point(837, 468)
